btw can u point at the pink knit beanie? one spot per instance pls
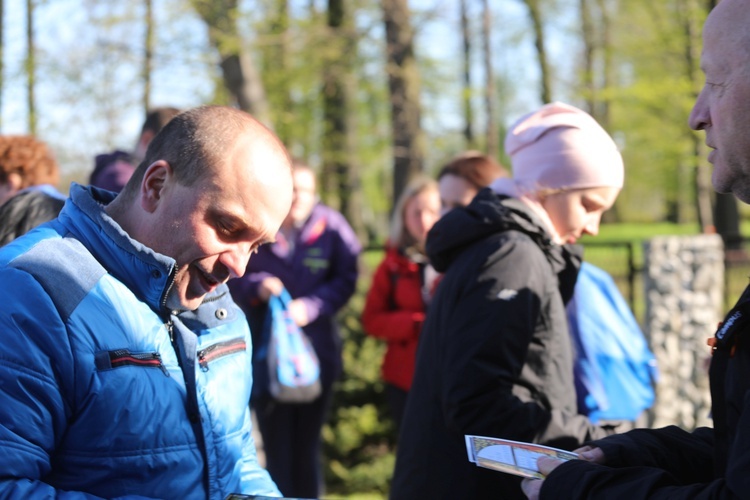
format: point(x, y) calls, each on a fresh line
point(562, 147)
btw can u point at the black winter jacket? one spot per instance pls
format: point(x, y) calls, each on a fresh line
point(494, 357)
point(673, 463)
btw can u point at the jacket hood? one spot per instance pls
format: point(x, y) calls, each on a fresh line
point(488, 214)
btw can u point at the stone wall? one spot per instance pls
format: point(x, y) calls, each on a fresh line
point(684, 280)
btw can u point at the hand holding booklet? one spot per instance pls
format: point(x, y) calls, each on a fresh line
point(512, 457)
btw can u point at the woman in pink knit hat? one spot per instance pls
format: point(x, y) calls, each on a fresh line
point(495, 356)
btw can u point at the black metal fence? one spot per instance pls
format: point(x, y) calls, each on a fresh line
point(623, 260)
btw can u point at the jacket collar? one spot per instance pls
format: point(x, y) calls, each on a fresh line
point(146, 273)
point(490, 213)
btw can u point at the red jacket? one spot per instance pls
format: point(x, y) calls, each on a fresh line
point(394, 311)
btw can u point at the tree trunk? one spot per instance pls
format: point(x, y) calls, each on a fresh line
point(589, 50)
point(240, 74)
point(403, 84)
point(277, 66)
point(466, 94)
point(30, 66)
point(340, 165)
point(727, 218)
point(602, 114)
point(493, 148)
point(536, 20)
point(148, 56)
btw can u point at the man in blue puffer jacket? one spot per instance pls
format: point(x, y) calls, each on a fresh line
point(125, 369)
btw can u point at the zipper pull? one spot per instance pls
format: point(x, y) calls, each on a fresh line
point(170, 329)
point(202, 361)
point(161, 364)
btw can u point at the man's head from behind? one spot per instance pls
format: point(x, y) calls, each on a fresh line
point(24, 162)
point(722, 109)
point(156, 119)
point(214, 186)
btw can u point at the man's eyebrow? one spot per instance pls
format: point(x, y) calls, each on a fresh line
point(233, 216)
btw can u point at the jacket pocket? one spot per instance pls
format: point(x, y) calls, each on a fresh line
point(219, 350)
point(108, 360)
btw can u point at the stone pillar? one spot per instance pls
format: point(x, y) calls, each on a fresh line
point(684, 280)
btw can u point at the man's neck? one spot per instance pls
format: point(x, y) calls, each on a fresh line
point(119, 213)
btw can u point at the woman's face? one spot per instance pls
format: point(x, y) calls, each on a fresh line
point(420, 214)
point(455, 192)
point(577, 212)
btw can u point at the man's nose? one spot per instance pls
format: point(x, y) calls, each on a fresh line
point(699, 116)
point(236, 259)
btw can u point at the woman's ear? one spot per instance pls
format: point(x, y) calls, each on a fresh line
point(15, 181)
point(155, 179)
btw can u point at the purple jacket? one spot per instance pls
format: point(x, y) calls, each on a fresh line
point(322, 272)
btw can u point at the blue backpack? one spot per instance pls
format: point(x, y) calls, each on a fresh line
point(615, 371)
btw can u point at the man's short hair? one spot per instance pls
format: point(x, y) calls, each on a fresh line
point(28, 157)
point(194, 142)
point(157, 118)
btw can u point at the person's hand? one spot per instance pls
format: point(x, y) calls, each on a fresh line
point(269, 286)
point(298, 312)
point(591, 454)
point(532, 487)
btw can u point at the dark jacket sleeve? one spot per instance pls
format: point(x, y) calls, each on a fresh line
point(487, 337)
point(652, 463)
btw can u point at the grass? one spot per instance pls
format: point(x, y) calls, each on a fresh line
point(604, 251)
point(639, 232)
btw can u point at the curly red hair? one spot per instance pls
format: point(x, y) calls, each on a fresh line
point(28, 157)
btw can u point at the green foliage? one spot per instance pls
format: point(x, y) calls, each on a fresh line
point(651, 97)
point(359, 439)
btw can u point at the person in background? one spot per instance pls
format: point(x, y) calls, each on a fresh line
point(709, 462)
point(315, 258)
point(622, 361)
point(26, 162)
point(25, 211)
point(112, 170)
point(29, 174)
point(402, 287)
point(495, 356)
point(126, 369)
point(462, 178)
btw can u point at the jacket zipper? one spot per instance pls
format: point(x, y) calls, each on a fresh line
point(219, 350)
point(123, 357)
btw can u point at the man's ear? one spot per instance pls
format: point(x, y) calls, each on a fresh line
point(155, 179)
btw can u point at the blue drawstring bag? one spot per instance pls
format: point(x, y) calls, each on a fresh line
point(615, 371)
point(293, 367)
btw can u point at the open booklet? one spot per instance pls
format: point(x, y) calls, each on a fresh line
point(512, 457)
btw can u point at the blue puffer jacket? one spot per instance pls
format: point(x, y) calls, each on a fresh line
point(95, 396)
